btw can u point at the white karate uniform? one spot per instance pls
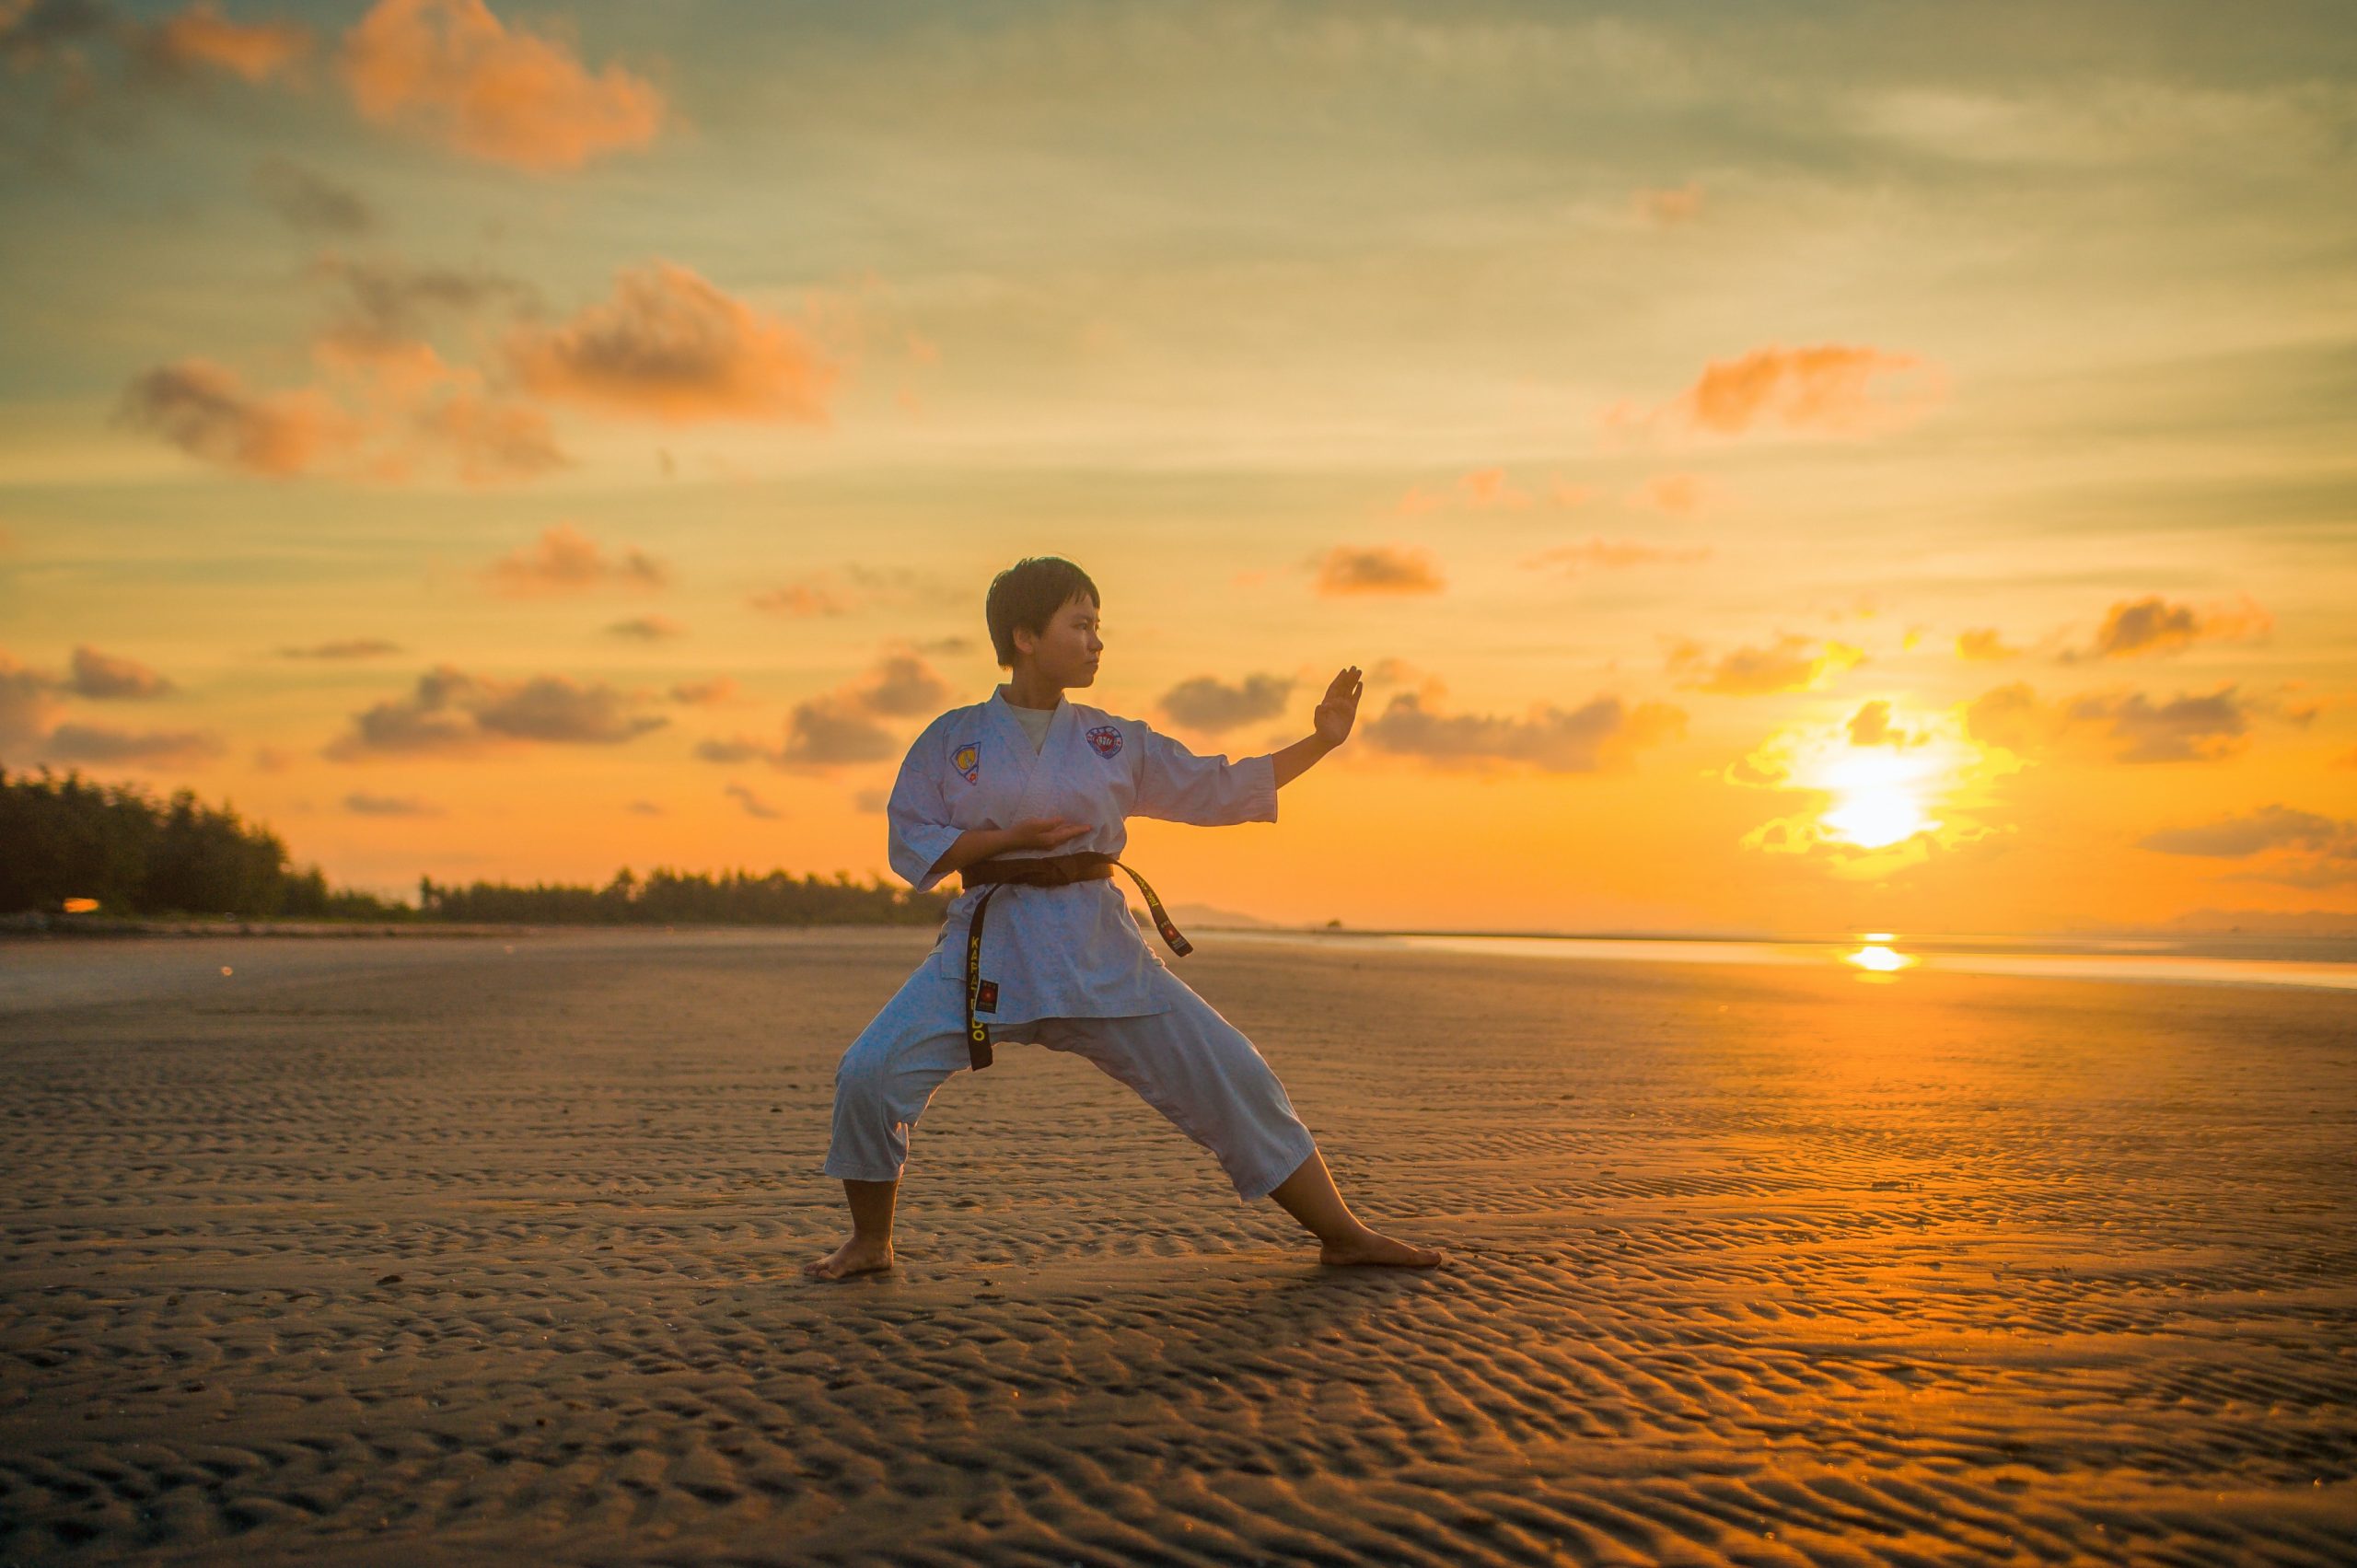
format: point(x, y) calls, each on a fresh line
point(1073, 971)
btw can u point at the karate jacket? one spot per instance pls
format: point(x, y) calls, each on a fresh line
point(1074, 951)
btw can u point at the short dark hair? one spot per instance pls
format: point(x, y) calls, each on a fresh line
point(1028, 593)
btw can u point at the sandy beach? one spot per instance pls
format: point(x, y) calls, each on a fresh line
point(489, 1251)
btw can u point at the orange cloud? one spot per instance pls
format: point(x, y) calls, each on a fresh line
point(1670, 208)
point(205, 409)
point(842, 726)
point(1674, 494)
point(1602, 736)
point(564, 560)
point(1481, 488)
point(1602, 554)
point(1377, 569)
point(453, 72)
point(647, 629)
point(386, 408)
point(1983, 644)
point(1786, 665)
point(2133, 628)
point(110, 678)
point(2128, 727)
point(1827, 389)
point(201, 36)
point(1870, 725)
point(453, 714)
point(671, 346)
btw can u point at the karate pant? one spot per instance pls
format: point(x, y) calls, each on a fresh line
point(1188, 1064)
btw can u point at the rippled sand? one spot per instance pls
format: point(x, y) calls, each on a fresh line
point(430, 1250)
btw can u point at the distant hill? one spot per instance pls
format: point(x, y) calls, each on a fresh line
point(1206, 914)
point(2300, 922)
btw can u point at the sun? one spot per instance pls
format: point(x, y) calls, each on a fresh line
point(1877, 799)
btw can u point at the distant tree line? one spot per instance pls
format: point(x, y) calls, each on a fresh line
point(67, 843)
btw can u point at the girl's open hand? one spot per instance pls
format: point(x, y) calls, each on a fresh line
point(1044, 832)
point(1341, 707)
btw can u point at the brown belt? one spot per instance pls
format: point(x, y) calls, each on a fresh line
point(1036, 871)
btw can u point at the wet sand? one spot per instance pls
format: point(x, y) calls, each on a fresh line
point(436, 1251)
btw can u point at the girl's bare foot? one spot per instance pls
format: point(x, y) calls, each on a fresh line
point(857, 1256)
point(1374, 1247)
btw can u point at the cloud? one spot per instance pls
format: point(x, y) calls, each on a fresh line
point(363, 805)
point(1669, 208)
point(344, 648)
point(205, 409)
point(703, 693)
point(858, 588)
point(1377, 569)
point(830, 730)
point(564, 560)
point(671, 347)
point(1602, 736)
point(2256, 832)
point(2183, 729)
point(1211, 706)
point(28, 699)
point(2125, 726)
point(647, 629)
point(753, 803)
point(414, 407)
point(202, 36)
point(1610, 554)
point(840, 727)
point(452, 72)
point(1789, 664)
point(1673, 494)
point(903, 685)
point(1479, 489)
point(108, 677)
point(644, 809)
point(384, 305)
point(1870, 725)
point(1824, 389)
point(1982, 645)
point(92, 743)
point(871, 801)
point(454, 714)
point(310, 202)
point(2133, 628)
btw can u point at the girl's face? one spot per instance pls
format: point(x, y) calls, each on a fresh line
point(1066, 652)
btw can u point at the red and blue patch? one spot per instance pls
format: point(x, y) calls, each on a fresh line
point(1107, 739)
point(967, 761)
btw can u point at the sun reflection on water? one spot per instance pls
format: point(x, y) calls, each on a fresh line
point(1876, 956)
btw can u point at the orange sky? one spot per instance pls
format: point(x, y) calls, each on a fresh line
point(1775, 480)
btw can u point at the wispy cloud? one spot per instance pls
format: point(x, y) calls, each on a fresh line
point(453, 714)
point(110, 678)
point(1377, 569)
point(2137, 628)
point(564, 560)
point(1791, 663)
point(672, 347)
point(1823, 388)
point(452, 72)
point(1602, 735)
point(1213, 705)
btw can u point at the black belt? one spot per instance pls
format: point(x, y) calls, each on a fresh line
point(1036, 871)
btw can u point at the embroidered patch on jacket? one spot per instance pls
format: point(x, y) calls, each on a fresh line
point(1107, 739)
point(986, 997)
point(968, 759)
